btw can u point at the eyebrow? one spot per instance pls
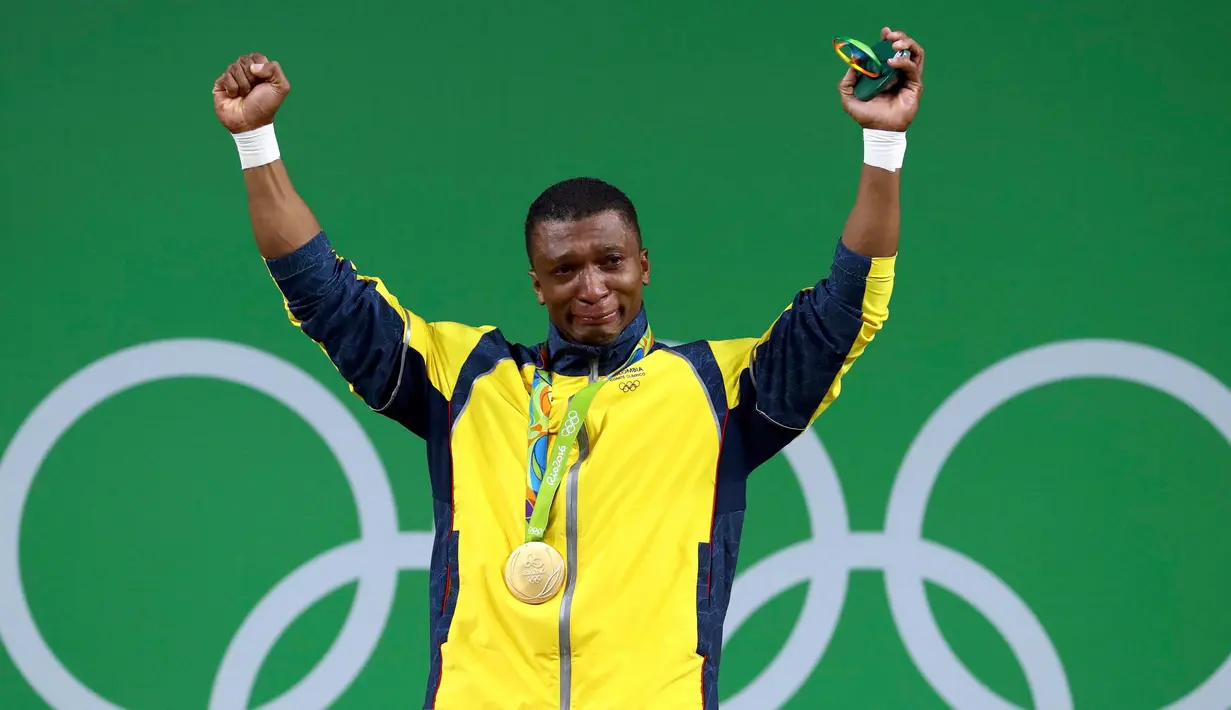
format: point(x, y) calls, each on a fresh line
point(608, 248)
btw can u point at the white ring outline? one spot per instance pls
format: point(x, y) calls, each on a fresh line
point(374, 560)
point(907, 559)
point(904, 573)
point(949, 424)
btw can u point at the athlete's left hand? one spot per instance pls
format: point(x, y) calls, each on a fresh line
point(894, 109)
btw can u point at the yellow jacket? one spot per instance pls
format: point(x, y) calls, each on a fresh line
point(649, 522)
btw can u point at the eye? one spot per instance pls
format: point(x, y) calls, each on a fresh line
point(563, 270)
point(614, 260)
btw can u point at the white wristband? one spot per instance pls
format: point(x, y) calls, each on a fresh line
point(884, 149)
point(257, 147)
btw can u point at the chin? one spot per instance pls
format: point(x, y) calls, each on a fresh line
point(595, 336)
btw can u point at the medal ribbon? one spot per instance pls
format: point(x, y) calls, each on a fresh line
point(543, 479)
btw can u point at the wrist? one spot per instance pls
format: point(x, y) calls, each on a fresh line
point(257, 147)
point(884, 149)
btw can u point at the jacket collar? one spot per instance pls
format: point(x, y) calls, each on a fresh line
point(571, 359)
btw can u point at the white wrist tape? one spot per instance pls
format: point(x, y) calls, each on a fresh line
point(884, 149)
point(257, 147)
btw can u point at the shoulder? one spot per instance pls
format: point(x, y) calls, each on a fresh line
point(718, 364)
point(728, 356)
point(479, 344)
point(456, 354)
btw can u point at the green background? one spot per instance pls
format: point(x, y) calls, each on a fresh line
point(1066, 178)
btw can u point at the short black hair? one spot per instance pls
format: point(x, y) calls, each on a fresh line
point(579, 198)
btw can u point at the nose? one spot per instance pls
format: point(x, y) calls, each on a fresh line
point(593, 286)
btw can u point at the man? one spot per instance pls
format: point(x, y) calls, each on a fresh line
point(589, 490)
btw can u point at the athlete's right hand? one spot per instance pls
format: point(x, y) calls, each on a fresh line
point(249, 92)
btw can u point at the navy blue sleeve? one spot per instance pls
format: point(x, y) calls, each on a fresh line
point(358, 323)
point(798, 366)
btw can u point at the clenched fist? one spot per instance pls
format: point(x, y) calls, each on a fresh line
point(249, 92)
point(893, 110)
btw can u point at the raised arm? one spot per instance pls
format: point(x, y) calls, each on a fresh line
point(795, 370)
point(874, 222)
point(398, 364)
point(246, 97)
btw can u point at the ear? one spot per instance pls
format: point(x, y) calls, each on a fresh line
point(538, 287)
point(645, 267)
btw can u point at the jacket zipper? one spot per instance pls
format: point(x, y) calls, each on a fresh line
point(570, 534)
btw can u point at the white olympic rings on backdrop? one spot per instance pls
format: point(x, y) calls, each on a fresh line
point(374, 560)
point(824, 562)
point(908, 560)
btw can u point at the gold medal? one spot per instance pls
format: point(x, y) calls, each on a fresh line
point(534, 572)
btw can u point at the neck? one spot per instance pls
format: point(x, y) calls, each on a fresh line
point(570, 358)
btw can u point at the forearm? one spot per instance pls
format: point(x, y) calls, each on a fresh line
point(874, 223)
point(801, 363)
point(281, 221)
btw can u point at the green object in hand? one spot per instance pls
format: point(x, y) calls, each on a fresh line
point(872, 63)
